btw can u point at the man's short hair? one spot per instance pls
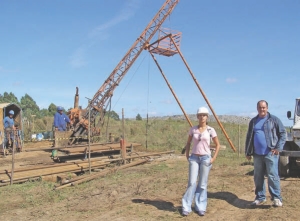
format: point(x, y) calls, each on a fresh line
point(262, 101)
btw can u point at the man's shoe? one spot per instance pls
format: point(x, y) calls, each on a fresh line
point(277, 202)
point(258, 202)
point(185, 213)
point(201, 213)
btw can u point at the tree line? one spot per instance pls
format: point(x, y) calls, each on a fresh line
point(30, 107)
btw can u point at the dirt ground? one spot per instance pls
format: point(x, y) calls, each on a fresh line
point(151, 191)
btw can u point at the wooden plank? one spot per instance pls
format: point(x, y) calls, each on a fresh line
point(48, 171)
point(97, 148)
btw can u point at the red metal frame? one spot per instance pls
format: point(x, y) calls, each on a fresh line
point(100, 101)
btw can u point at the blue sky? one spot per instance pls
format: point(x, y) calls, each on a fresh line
point(239, 51)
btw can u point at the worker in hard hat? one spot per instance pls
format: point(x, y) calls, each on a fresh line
point(60, 120)
point(200, 162)
point(9, 128)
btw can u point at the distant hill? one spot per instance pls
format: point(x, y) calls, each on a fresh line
point(223, 118)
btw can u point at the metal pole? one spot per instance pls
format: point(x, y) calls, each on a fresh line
point(13, 160)
point(123, 147)
point(89, 136)
point(89, 140)
point(186, 116)
point(123, 125)
point(147, 133)
point(204, 96)
point(239, 137)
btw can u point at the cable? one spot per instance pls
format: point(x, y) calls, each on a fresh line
point(148, 101)
point(129, 82)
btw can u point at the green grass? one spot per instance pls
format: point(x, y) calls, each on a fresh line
point(156, 179)
point(165, 180)
point(163, 135)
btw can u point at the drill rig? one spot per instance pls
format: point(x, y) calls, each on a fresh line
point(82, 119)
point(167, 44)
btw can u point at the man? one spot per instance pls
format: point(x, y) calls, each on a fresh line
point(9, 128)
point(266, 137)
point(60, 119)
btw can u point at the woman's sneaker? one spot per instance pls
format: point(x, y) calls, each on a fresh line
point(185, 213)
point(258, 202)
point(201, 213)
point(277, 202)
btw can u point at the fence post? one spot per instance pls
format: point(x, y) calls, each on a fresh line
point(123, 150)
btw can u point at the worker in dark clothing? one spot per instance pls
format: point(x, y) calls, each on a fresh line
point(9, 128)
point(60, 120)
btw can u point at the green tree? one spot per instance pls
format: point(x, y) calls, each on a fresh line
point(113, 115)
point(52, 109)
point(138, 117)
point(29, 106)
point(44, 112)
point(9, 98)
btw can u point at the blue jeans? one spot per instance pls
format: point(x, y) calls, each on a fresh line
point(198, 165)
point(266, 165)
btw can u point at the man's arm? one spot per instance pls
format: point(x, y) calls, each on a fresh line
point(281, 135)
point(55, 121)
point(248, 140)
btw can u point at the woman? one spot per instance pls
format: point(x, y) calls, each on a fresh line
point(200, 163)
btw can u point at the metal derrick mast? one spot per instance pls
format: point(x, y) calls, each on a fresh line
point(99, 103)
point(167, 44)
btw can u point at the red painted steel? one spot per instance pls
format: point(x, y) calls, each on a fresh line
point(101, 100)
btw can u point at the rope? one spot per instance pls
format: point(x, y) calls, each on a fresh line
point(129, 81)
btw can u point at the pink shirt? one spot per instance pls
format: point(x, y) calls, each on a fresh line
point(201, 141)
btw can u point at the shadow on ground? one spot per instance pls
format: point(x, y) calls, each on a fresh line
point(159, 204)
point(235, 201)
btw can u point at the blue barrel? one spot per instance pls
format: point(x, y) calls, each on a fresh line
point(39, 136)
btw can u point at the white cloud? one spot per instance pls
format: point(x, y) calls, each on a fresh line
point(77, 59)
point(126, 13)
point(231, 80)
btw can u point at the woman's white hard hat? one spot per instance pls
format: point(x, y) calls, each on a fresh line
point(203, 110)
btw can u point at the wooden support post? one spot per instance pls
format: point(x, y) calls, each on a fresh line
point(204, 96)
point(13, 160)
point(110, 138)
point(2, 136)
point(131, 148)
point(123, 150)
point(89, 146)
point(131, 151)
point(164, 76)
